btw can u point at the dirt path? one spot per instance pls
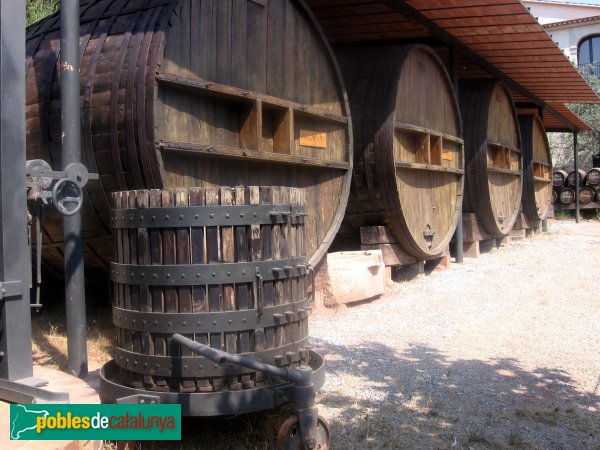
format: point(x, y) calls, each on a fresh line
point(502, 352)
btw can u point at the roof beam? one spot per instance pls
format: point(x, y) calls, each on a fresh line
point(451, 41)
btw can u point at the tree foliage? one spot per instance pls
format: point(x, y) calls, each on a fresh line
point(588, 142)
point(38, 9)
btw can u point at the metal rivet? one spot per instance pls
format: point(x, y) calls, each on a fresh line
point(199, 323)
point(196, 216)
point(243, 272)
point(183, 275)
point(228, 274)
point(135, 363)
point(141, 218)
point(227, 216)
point(158, 366)
point(142, 275)
point(197, 275)
point(214, 322)
point(143, 323)
point(184, 367)
point(241, 214)
point(214, 274)
point(167, 217)
point(154, 275)
point(184, 323)
point(244, 320)
point(155, 322)
point(212, 216)
point(229, 321)
point(145, 364)
point(168, 275)
point(153, 217)
point(180, 216)
point(169, 324)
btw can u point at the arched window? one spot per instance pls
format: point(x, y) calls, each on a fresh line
point(589, 50)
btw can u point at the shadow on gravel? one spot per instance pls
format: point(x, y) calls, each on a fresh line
point(418, 399)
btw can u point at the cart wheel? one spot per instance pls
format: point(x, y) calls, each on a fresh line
point(288, 437)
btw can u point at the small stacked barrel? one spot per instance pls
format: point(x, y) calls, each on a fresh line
point(565, 184)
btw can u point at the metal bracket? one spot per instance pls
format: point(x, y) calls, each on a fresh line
point(205, 216)
point(19, 392)
point(11, 289)
point(197, 274)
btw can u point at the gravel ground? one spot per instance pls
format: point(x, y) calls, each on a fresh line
point(501, 352)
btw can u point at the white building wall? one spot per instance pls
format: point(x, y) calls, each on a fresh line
point(568, 38)
point(551, 11)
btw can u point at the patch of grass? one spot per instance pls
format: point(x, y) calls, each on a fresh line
point(49, 339)
point(516, 439)
point(38, 9)
point(547, 415)
point(563, 215)
point(475, 436)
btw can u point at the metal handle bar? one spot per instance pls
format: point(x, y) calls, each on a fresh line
point(299, 377)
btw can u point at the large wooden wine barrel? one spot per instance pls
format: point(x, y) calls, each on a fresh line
point(408, 168)
point(181, 93)
point(493, 160)
point(537, 168)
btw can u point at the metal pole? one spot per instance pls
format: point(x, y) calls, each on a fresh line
point(458, 234)
point(15, 312)
point(71, 153)
point(576, 168)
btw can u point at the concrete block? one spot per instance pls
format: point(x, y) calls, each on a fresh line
point(353, 276)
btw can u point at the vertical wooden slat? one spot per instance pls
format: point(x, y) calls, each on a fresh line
point(243, 289)
point(266, 238)
point(142, 201)
point(199, 300)
point(136, 341)
point(215, 294)
point(228, 252)
point(157, 293)
point(277, 285)
point(184, 293)
point(256, 250)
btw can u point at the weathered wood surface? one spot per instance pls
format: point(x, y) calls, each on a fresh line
point(571, 182)
point(537, 168)
point(592, 177)
point(408, 166)
point(559, 178)
point(163, 247)
point(566, 195)
point(493, 159)
point(190, 93)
